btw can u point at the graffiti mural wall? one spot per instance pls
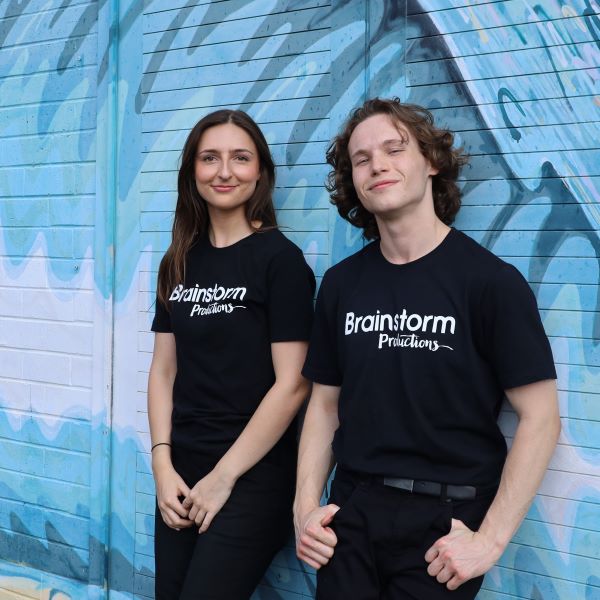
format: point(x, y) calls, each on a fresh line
point(96, 99)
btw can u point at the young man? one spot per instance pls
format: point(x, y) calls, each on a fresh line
point(417, 339)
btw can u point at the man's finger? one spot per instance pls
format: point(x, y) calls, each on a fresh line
point(454, 583)
point(308, 559)
point(328, 512)
point(431, 554)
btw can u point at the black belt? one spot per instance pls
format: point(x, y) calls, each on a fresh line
point(418, 486)
point(430, 488)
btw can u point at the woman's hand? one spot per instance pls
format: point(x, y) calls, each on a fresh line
point(207, 498)
point(169, 488)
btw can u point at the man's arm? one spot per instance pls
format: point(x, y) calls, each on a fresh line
point(314, 539)
point(464, 554)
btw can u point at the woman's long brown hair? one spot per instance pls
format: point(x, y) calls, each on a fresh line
point(191, 214)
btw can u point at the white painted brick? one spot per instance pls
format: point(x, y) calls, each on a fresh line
point(50, 368)
point(141, 421)
point(84, 306)
point(81, 371)
point(10, 302)
point(54, 337)
point(141, 401)
point(143, 361)
point(145, 341)
point(61, 401)
point(45, 304)
point(11, 361)
point(15, 394)
point(142, 382)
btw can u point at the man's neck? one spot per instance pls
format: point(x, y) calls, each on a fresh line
point(407, 239)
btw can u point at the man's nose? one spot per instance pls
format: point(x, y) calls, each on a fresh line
point(378, 163)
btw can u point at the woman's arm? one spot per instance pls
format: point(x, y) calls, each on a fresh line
point(169, 485)
point(270, 420)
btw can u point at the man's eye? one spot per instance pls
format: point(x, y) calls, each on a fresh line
point(362, 161)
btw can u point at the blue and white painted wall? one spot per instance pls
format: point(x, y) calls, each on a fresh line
point(96, 98)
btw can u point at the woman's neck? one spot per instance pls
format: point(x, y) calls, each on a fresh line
point(225, 229)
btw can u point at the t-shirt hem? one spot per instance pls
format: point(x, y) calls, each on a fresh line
point(526, 378)
point(321, 377)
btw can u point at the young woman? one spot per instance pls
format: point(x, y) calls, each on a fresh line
point(233, 316)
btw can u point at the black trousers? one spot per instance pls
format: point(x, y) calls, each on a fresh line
point(383, 534)
point(229, 559)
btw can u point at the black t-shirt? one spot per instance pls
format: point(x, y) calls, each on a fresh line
point(423, 353)
point(235, 302)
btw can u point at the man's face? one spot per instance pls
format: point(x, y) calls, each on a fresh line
point(390, 175)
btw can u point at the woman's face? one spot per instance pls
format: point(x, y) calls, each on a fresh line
point(227, 167)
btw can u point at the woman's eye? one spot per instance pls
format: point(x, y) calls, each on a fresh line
point(242, 158)
point(207, 158)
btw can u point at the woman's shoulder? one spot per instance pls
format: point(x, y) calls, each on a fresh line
point(274, 242)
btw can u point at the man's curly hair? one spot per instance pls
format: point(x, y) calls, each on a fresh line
point(435, 145)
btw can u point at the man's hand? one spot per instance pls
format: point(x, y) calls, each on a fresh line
point(207, 498)
point(460, 556)
point(315, 541)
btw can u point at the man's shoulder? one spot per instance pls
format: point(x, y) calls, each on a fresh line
point(475, 258)
point(348, 266)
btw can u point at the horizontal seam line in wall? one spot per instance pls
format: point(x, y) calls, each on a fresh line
point(47, 509)
point(230, 83)
point(48, 41)
point(528, 100)
point(496, 53)
point(48, 321)
point(158, 12)
point(45, 71)
point(226, 22)
point(504, 26)
point(530, 519)
point(51, 164)
point(26, 136)
point(521, 127)
point(43, 102)
point(496, 77)
point(41, 289)
point(32, 44)
point(32, 413)
point(553, 576)
point(243, 39)
point(72, 3)
point(236, 62)
point(79, 485)
point(547, 548)
point(46, 352)
point(43, 539)
point(58, 103)
point(36, 382)
point(46, 447)
point(248, 103)
point(466, 5)
point(264, 123)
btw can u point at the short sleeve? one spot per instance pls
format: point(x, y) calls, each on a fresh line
point(162, 319)
point(322, 360)
point(291, 289)
point(514, 337)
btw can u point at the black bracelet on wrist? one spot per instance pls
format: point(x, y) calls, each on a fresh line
point(161, 444)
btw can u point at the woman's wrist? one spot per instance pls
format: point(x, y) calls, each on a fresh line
point(161, 456)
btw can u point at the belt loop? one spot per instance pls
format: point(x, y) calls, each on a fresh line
point(444, 493)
